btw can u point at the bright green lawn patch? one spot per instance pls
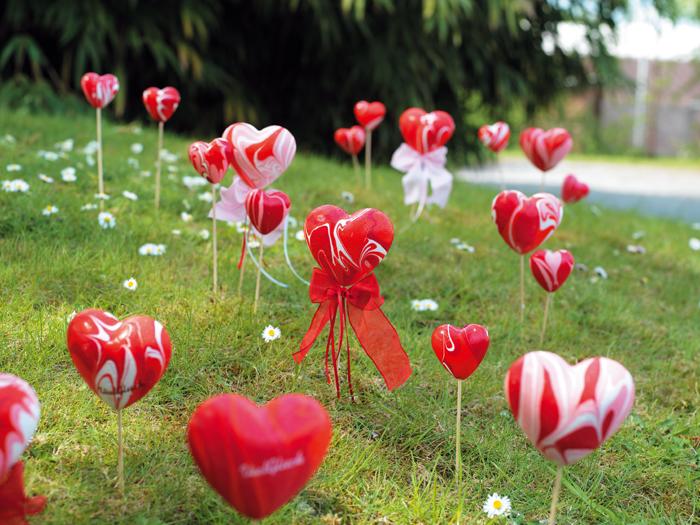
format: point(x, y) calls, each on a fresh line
point(392, 454)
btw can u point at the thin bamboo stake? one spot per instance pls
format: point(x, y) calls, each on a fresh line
point(458, 433)
point(368, 160)
point(120, 458)
point(214, 243)
point(522, 288)
point(240, 276)
point(555, 496)
point(356, 166)
point(100, 175)
point(544, 319)
point(257, 282)
point(158, 162)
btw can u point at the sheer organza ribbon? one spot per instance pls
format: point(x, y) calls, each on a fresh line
point(15, 506)
point(359, 306)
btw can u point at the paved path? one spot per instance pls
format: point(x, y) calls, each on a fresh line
point(650, 189)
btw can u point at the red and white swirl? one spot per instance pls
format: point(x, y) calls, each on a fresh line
point(99, 90)
point(551, 269)
point(495, 136)
point(568, 411)
point(161, 103)
point(19, 418)
point(545, 149)
point(210, 160)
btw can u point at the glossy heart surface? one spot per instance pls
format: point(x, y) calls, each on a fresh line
point(460, 350)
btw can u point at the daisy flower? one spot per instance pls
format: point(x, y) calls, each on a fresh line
point(15, 186)
point(66, 146)
point(90, 160)
point(102, 196)
point(292, 222)
point(496, 505)
point(424, 305)
point(347, 197)
point(204, 234)
point(193, 182)
point(464, 247)
point(14, 167)
point(172, 169)
point(635, 248)
point(137, 148)
point(91, 147)
point(133, 163)
point(8, 139)
point(130, 284)
point(168, 156)
point(270, 333)
point(176, 233)
point(600, 271)
point(88, 206)
point(253, 243)
point(45, 178)
point(186, 217)
point(130, 195)
point(49, 210)
point(694, 244)
point(205, 196)
point(49, 155)
point(240, 226)
point(300, 235)
point(455, 240)
point(68, 174)
point(145, 173)
point(106, 220)
point(160, 249)
point(6, 185)
point(638, 235)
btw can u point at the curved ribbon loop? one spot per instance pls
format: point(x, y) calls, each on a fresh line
point(15, 506)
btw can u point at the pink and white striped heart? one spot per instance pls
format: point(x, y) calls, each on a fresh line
point(210, 160)
point(568, 411)
point(545, 149)
point(260, 156)
point(495, 136)
point(161, 103)
point(551, 269)
point(19, 417)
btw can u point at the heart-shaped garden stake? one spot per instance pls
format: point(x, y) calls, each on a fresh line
point(267, 210)
point(573, 190)
point(545, 149)
point(426, 132)
point(369, 115)
point(495, 136)
point(551, 269)
point(259, 457)
point(99, 90)
point(161, 103)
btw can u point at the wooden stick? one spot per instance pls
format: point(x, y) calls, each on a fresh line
point(368, 160)
point(158, 155)
point(100, 175)
point(555, 495)
point(257, 282)
point(120, 458)
point(240, 277)
point(522, 288)
point(213, 240)
point(458, 433)
point(356, 166)
point(544, 319)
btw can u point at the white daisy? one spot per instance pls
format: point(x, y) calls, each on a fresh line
point(137, 148)
point(638, 235)
point(240, 226)
point(635, 248)
point(160, 249)
point(90, 160)
point(68, 174)
point(133, 163)
point(49, 210)
point(347, 197)
point(463, 246)
point(424, 305)
point(270, 333)
point(130, 284)
point(193, 182)
point(130, 195)
point(205, 196)
point(145, 173)
point(15, 186)
point(292, 222)
point(600, 272)
point(14, 167)
point(147, 249)
point(430, 305)
point(172, 169)
point(253, 243)
point(455, 240)
point(137, 130)
point(45, 178)
point(49, 155)
point(300, 235)
point(168, 156)
point(88, 206)
point(694, 244)
point(8, 139)
point(66, 146)
point(497, 505)
point(102, 196)
point(91, 147)
point(176, 233)
point(204, 234)
point(106, 220)
point(186, 217)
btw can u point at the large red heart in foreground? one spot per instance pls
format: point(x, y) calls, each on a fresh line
point(260, 156)
point(99, 90)
point(210, 160)
point(525, 223)
point(161, 103)
point(348, 247)
point(259, 457)
point(495, 136)
point(19, 417)
point(351, 140)
point(545, 149)
point(267, 209)
point(426, 132)
point(573, 190)
point(119, 360)
point(551, 269)
point(460, 350)
point(369, 114)
point(568, 411)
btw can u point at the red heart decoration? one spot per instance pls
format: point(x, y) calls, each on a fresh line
point(161, 103)
point(267, 209)
point(259, 457)
point(568, 411)
point(369, 114)
point(351, 140)
point(210, 160)
point(260, 156)
point(119, 360)
point(551, 269)
point(426, 132)
point(495, 136)
point(460, 350)
point(348, 247)
point(573, 190)
point(99, 90)
point(19, 417)
point(525, 223)
point(545, 149)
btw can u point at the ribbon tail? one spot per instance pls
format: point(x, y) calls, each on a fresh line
point(15, 506)
point(321, 318)
point(286, 254)
point(381, 343)
point(421, 206)
point(440, 185)
point(262, 270)
point(243, 244)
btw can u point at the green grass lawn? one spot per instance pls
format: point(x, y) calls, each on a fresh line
point(392, 455)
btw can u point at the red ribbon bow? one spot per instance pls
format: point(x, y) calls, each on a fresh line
point(15, 506)
point(360, 305)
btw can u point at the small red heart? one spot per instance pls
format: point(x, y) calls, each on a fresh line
point(119, 360)
point(351, 140)
point(526, 222)
point(551, 269)
point(99, 90)
point(19, 417)
point(573, 190)
point(545, 149)
point(259, 457)
point(267, 209)
point(161, 103)
point(460, 350)
point(210, 160)
point(369, 114)
point(495, 136)
point(568, 411)
point(348, 247)
point(426, 132)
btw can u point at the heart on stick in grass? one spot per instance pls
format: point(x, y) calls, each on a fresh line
point(99, 91)
point(545, 149)
point(121, 361)
point(525, 223)
point(550, 269)
point(211, 161)
point(568, 411)
point(495, 136)
point(573, 190)
point(347, 249)
point(422, 157)
point(259, 457)
point(19, 418)
point(351, 141)
point(369, 115)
